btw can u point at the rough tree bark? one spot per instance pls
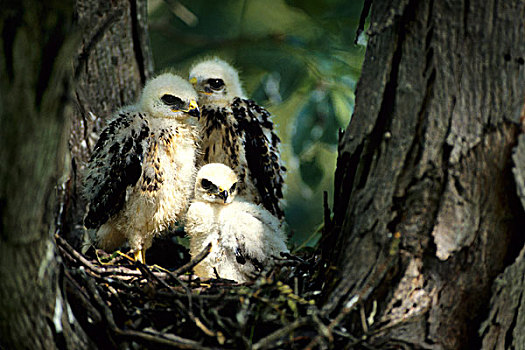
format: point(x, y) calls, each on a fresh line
point(38, 63)
point(426, 212)
point(113, 62)
point(503, 328)
point(34, 109)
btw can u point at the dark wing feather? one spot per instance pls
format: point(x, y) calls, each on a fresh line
point(115, 164)
point(262, 152)
point(241, 257)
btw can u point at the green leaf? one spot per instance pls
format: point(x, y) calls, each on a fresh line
point(320, 118)
point(283, 75)
point(343, 108)
point(304, 123)
point(311, 172)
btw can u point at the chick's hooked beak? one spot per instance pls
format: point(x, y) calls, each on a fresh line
point(193, 109)
point(223, 194)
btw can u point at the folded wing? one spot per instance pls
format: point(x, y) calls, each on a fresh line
point(262, 152)
point(115, 165)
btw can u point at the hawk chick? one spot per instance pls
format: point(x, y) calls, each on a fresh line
point(237, 132)
point(245, 237)
point(139, 178)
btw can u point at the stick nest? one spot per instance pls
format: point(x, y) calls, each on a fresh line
point(123, 304)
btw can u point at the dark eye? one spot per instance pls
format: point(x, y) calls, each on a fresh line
point(173, 101)
point(208, 185)
point(216, 84)
point(233, 188)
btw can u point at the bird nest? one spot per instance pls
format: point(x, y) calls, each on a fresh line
point(125, 304)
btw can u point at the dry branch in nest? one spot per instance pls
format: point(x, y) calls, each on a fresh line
point(122, 303)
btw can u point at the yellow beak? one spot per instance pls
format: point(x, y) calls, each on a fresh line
point(193, 105)
point(193, 109)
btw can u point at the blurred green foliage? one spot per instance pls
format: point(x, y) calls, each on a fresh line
point(296, 58)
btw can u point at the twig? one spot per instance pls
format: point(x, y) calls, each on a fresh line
point(92, 287)
point(146, 271)
point(107, 270)
point(165, 339)
point(269, 340)
point(187, 267)
point(345, 311)
point(155, 337)
point(76, 291)
point(72, 252)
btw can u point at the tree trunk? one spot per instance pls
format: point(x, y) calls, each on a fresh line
point(35, 85)
point(37, 118)
point(426, 213)
point(111, 66)
point(503, 328)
